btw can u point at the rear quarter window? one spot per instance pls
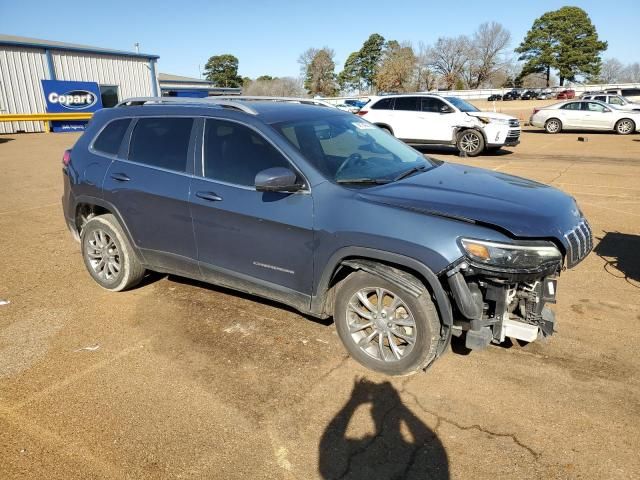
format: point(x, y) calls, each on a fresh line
point(384, 104)
point(110, 138)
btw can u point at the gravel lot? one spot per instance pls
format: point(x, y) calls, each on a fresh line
point(177, 379)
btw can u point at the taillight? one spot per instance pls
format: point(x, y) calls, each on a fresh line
point(536, 110)
point(362, 113)
point(66, 158)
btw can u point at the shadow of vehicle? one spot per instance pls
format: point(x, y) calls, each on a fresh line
point(622, 252)
point(402, 446)
point(247, 296)
point(448, 150)
point(5, 139)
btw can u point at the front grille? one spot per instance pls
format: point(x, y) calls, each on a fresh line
point(514, 122)
point(513, 135)
point(579, 243)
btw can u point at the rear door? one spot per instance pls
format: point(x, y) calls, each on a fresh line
point(253, 241)
point(150, 189)
point(406, 122)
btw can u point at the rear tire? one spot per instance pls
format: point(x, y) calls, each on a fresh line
point(411, 323)
point(470, 142)
point(108, 255)
point(625, 126)
point(553, 125)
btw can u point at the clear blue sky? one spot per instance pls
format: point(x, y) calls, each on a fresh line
point(268, 36)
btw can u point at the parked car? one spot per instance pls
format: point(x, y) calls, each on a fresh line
point(545, 95)
point(585, 115)
point(616, 100)
point(512, 95)
point(529, 95)
point(355, 102)
point(348, 108)
point(631, 94)
point(323, 211)
point(566, 95)
point(494, 97)
point(427, 119)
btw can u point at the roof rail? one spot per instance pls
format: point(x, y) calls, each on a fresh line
point(209, 101)
point(260, 98)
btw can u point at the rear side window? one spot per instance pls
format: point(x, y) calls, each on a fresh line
point(407, 103)
point(632, 92)
point(161, 142)
point(384, 104)
point(234, 153)
point(571, 106)
point(110, 138)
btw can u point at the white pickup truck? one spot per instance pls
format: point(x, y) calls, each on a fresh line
point(428, 119)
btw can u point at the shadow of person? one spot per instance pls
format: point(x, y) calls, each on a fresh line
point(402, 446)
point(621, 251)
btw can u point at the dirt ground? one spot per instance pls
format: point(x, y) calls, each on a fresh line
point(177, 379)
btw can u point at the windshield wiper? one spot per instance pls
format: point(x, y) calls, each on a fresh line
point(365, 181)
point(411, 171)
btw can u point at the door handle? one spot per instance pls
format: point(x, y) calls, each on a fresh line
point(120, 177)
point(210, 196)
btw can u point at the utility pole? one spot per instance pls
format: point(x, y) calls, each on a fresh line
point(137, 45)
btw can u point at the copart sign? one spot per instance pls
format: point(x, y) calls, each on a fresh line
point(69, 97)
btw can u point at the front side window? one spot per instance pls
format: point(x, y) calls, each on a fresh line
point(349, 150)
point(461, 105)
point(432, 105)
point(234, 153)
point(161, 142)
point(595, 107)
point(110, 138)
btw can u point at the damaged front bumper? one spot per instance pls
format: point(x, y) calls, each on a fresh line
point(493, 308)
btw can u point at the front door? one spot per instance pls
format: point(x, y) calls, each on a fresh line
point(252, 241)
point(150, 189)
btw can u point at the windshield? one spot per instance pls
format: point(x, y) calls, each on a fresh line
point(347, 149)
point(461, 104)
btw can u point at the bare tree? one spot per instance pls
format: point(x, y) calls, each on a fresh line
point(449, 57)
point(486, 53)
point(611, 70)
point(631, 73)
point(278, 87)
point(424, 77)
point(306, 58)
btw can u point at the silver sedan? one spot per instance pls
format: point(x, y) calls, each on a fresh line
point(585, 115)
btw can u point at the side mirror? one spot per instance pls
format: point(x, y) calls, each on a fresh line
point(277, 179)
point(445, 109)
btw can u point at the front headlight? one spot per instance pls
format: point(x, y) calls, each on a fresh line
point(496, 121)
point(505, 256)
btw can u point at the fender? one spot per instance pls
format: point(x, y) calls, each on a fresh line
point(116, 213)
point(350, 253)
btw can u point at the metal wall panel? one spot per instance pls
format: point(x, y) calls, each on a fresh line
point(131, 74)
point(21, 70)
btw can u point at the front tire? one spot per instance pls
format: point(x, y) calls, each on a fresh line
point(385, 328)
point(553, 125)
point(108, 255)
point(470, 142)
point(625, 126)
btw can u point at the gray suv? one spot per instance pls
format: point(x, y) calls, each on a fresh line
point(321, 210)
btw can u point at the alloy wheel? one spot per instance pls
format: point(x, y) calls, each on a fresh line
point(381, 324)
point(625, 126)
point(469, 142)
point(103, 255)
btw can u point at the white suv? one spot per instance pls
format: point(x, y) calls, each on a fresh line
point(617, 101)
point(427, 119)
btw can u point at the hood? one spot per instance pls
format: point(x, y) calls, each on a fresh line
point(496, 115)
point(522, 207)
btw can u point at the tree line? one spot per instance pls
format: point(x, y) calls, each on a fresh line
point(562, 45)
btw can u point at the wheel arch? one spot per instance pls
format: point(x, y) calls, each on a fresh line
point(350, 259)
point(385, 126)
point(99, 207)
